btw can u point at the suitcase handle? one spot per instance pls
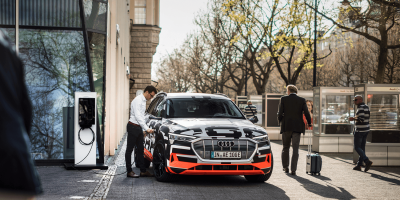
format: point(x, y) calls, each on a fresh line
point(309, 146)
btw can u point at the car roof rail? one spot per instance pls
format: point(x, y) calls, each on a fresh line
point(222, 94)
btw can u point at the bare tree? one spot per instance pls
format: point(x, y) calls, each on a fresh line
point(373, 21)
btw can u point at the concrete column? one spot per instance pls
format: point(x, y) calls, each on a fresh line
point(144, 40)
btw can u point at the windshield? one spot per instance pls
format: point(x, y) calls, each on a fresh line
point(202, 108)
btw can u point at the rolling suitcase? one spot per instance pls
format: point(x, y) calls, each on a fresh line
point(314, 162)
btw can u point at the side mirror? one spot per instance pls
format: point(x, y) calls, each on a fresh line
point(156, 118)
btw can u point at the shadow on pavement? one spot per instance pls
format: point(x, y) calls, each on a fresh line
point(387, 179)
point(234, 182)
point(326, 191)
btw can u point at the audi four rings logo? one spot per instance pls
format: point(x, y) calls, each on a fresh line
point(225, 143)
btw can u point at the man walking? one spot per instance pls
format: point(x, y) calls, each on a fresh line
point(361, 132)
point(135, 128)
point(250, 110)
point(290, 116)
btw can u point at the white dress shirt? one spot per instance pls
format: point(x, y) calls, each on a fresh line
point(138, 108)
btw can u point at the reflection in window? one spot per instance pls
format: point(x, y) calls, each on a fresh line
point(95, 15)
point(97, 56)
point(55, 68)
point(10, 33)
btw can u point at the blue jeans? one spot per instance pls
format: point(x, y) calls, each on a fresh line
point(360, 138)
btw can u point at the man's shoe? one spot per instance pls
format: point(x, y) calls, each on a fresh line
point(286, 170)
point(146, 174)
point(358, 168)
point(293, 173)
point(132, 175)
point(368, 165)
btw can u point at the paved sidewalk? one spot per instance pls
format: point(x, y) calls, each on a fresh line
point(337, 181)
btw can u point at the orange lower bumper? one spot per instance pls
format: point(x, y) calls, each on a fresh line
point(188, 168)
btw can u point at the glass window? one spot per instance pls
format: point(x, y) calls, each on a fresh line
point(55, 68)
point(203, 108)
point(160, 112)
point(140, 15)
point(95, 15)
point(97, 56)
point(7, 12)
point(141, 3)
point(152, 105)
point(10, 33)
point(384, 111)
point(60, 13)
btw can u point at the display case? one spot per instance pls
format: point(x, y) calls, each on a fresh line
point(270, 102)
point(256, 101)
point(332, 131)
point(241, 102)
point(383, 141)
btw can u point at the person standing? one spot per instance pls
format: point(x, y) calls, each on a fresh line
point(290, 117)
point(361, 132)
point(250, 110)
point(19, 179)
point(135, 127)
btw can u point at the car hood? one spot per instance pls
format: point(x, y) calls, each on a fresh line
point(215, 127)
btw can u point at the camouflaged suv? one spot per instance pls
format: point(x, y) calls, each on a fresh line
point(205, 134)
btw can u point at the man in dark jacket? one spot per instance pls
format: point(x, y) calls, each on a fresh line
point(290, 116)
point(19, 177)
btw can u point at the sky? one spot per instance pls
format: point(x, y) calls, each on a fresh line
point(176, 21)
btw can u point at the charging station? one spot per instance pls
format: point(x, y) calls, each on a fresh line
point(85, 128)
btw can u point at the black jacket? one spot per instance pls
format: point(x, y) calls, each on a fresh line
point(18, 172)
point(290, 113)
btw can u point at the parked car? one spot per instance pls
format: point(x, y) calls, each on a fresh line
point(205, 134)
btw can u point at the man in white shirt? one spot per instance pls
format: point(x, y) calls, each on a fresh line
point(135, 128)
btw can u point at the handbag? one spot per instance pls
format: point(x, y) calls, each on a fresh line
point(253, 119)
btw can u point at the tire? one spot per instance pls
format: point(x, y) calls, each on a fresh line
point(146, 162)
point(261, 178)
point(159, 164)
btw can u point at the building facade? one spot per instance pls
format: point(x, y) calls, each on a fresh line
point(70, 46)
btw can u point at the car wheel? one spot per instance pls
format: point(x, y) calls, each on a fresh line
point(263, 177)
point(160, 164)
point(146, 162)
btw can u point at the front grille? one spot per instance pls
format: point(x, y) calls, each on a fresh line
point(204, 147)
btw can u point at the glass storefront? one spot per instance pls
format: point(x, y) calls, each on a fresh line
point(55, 53)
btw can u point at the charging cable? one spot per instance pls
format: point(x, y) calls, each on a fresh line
point(83, 143)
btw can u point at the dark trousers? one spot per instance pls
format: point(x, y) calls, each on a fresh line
point(360, 139)
point(135, 138)
point(288, 137)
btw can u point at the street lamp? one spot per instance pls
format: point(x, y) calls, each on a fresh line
point(315, 46)
point(245, 83)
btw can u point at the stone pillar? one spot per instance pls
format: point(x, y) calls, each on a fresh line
point(144, 40)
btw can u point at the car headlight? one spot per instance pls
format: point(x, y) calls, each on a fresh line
point(179, 137)
point(259, 139)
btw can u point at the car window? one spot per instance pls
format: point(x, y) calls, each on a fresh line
point(158, 101)
point(152, 105)
point(202, 108)
point(160, 110)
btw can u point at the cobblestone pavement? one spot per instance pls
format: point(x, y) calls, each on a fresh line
point(337, 181)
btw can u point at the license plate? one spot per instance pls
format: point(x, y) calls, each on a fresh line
point(226, 154)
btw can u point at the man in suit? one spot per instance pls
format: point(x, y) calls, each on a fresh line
point(290, 117)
